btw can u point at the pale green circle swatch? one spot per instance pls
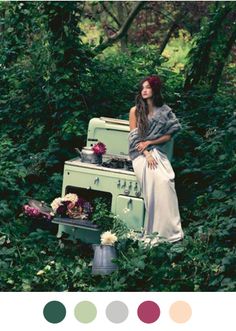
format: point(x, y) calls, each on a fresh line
point(85, 311)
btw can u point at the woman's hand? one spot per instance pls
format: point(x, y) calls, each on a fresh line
point(142, 145)
point(151, 161)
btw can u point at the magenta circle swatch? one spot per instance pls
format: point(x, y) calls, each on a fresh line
point(148, 312)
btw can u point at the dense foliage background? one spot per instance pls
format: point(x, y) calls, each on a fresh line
point(57, 71)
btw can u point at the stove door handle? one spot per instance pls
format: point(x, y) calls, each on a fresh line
point(129, 203)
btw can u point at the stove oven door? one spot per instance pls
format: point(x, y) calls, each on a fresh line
point(131, 210)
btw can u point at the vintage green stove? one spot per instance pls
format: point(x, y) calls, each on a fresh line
point(118, 183)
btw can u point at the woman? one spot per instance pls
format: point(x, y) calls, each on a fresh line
point(152, 125)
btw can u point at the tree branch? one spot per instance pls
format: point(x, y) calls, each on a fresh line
point(123, 30)
point(166, 15)
point(172, 28)
point(110, 13)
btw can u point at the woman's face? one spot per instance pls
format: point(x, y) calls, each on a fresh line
point(146, 91)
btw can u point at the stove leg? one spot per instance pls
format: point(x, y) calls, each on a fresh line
point(59, 232)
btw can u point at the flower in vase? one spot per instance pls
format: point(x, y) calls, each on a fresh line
point(99, 148)
point(108, 238)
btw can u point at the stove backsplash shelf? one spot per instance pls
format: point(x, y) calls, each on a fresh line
point(112, 132)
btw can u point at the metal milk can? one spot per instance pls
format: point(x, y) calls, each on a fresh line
point(102, 264)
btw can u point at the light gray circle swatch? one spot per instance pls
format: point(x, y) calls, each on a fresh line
point(117, 312)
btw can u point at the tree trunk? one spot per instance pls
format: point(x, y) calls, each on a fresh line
point(121, 17)
point(201, 59)
point(221, 63)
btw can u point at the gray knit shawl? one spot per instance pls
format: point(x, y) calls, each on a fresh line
point(163, 121)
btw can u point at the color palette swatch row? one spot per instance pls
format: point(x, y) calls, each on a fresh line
point(117, 312)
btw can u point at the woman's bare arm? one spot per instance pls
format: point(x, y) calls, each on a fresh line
point(132, 118)
point(162, 139)
point(141, 147)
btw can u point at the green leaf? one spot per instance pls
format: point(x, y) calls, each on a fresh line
point(217, 194)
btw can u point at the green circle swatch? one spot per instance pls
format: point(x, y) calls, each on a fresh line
point(54, 312)
point(85, 312)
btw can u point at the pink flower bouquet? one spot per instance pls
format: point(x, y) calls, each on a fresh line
point(72, 206)
point(36, 213)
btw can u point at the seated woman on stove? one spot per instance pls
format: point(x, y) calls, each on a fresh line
point(152, 123)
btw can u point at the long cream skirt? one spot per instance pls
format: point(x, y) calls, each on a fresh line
point(161, 203)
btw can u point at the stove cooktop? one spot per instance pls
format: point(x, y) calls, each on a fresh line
point(118, 164)
point(113, 165)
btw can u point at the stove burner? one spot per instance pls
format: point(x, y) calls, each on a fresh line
point(118, 164)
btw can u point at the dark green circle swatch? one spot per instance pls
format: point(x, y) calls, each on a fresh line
point(54, 312)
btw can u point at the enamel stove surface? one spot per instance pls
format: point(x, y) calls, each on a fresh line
point(120, 184)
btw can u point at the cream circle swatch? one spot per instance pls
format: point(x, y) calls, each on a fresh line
point(85, 312)
point(117, 312)
point(180, 311)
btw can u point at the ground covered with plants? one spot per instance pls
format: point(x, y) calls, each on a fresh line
point(51, 85)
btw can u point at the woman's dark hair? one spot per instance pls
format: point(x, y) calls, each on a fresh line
point(141, 104)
